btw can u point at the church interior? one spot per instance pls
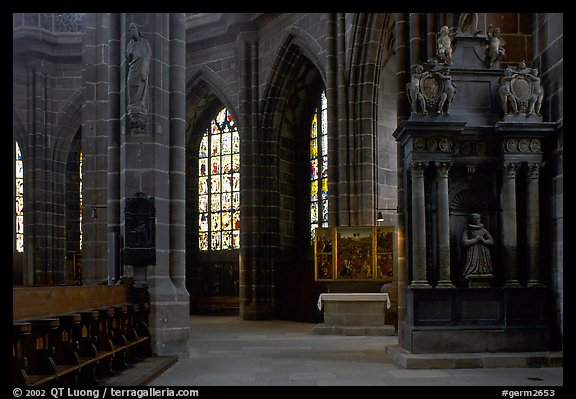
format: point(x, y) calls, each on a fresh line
point(394, 176)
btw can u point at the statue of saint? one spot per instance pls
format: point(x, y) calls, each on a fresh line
point(477, 240)
point(468, 23)
point(138, 53)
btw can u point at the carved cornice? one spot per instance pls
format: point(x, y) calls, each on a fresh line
point(523, 145)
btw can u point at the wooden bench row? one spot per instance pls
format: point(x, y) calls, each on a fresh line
point(80, 348)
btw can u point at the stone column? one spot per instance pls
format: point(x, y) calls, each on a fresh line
point(509, 233)
point(533, 223)
point(152, 161)
point(401, 37)
point(114, 210)
point(95, 131)
point(443, 225)
point(418, 227)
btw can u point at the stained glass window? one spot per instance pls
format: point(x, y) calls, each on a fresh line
point(219, 185)
point(319, 167)
point(80, 195)
point(19, 200)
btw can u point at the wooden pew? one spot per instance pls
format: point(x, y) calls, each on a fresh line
point(104, 342)
point(20, 333)
point(79, 347)
point(67, 346)
point(40, 368)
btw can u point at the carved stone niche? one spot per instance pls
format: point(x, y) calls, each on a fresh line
point(140, 231)
point(469, 196)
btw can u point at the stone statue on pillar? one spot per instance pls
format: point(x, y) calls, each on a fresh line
point(138, 54)
point(478, 264)
point(468, 23)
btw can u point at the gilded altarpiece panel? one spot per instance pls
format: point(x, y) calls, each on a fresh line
point(354, 253)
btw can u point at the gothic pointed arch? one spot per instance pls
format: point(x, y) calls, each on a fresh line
point(212, 194)
point(289, 100)
point(372, 101)
point(205, 95)
point(68, 123)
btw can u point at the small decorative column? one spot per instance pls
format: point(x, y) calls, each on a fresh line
point(442, 170)
point(533, 223)
point(509, 233)
point(418, 227)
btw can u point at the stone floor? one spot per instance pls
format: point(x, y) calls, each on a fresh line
point(225, 350)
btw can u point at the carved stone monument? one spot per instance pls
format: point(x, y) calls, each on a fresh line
point(470, 281)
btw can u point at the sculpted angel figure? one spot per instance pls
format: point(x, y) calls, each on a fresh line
point(415, 97)
point(444, 43)
point(495, 43)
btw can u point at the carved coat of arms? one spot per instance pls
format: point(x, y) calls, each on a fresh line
point(430, 89)
point(520, 91)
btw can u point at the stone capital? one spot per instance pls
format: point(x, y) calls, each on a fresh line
point(417, 168)
point(509, 169)
point(442, 168)
point(533, 169)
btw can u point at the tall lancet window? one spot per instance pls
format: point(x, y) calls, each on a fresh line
point(19, 200)
point(319, 167)
point(219, 185)
point(80, 196)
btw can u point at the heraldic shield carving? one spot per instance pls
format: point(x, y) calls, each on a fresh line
point(520, 91)
point(430, 89)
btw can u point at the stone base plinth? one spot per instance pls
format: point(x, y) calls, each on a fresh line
point(408, 360)
point(323, 329)
point(354, 314)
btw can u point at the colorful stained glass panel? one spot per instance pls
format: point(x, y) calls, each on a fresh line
point(219, 185)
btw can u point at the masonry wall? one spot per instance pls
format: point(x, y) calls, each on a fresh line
point(548, 50)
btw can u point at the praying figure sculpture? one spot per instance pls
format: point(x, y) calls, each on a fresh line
point(138, 53)
point(477, 242)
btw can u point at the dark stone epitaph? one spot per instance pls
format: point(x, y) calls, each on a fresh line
point(140, 217)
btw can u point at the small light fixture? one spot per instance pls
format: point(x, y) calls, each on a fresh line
point(380, 217)
point(94, 213)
